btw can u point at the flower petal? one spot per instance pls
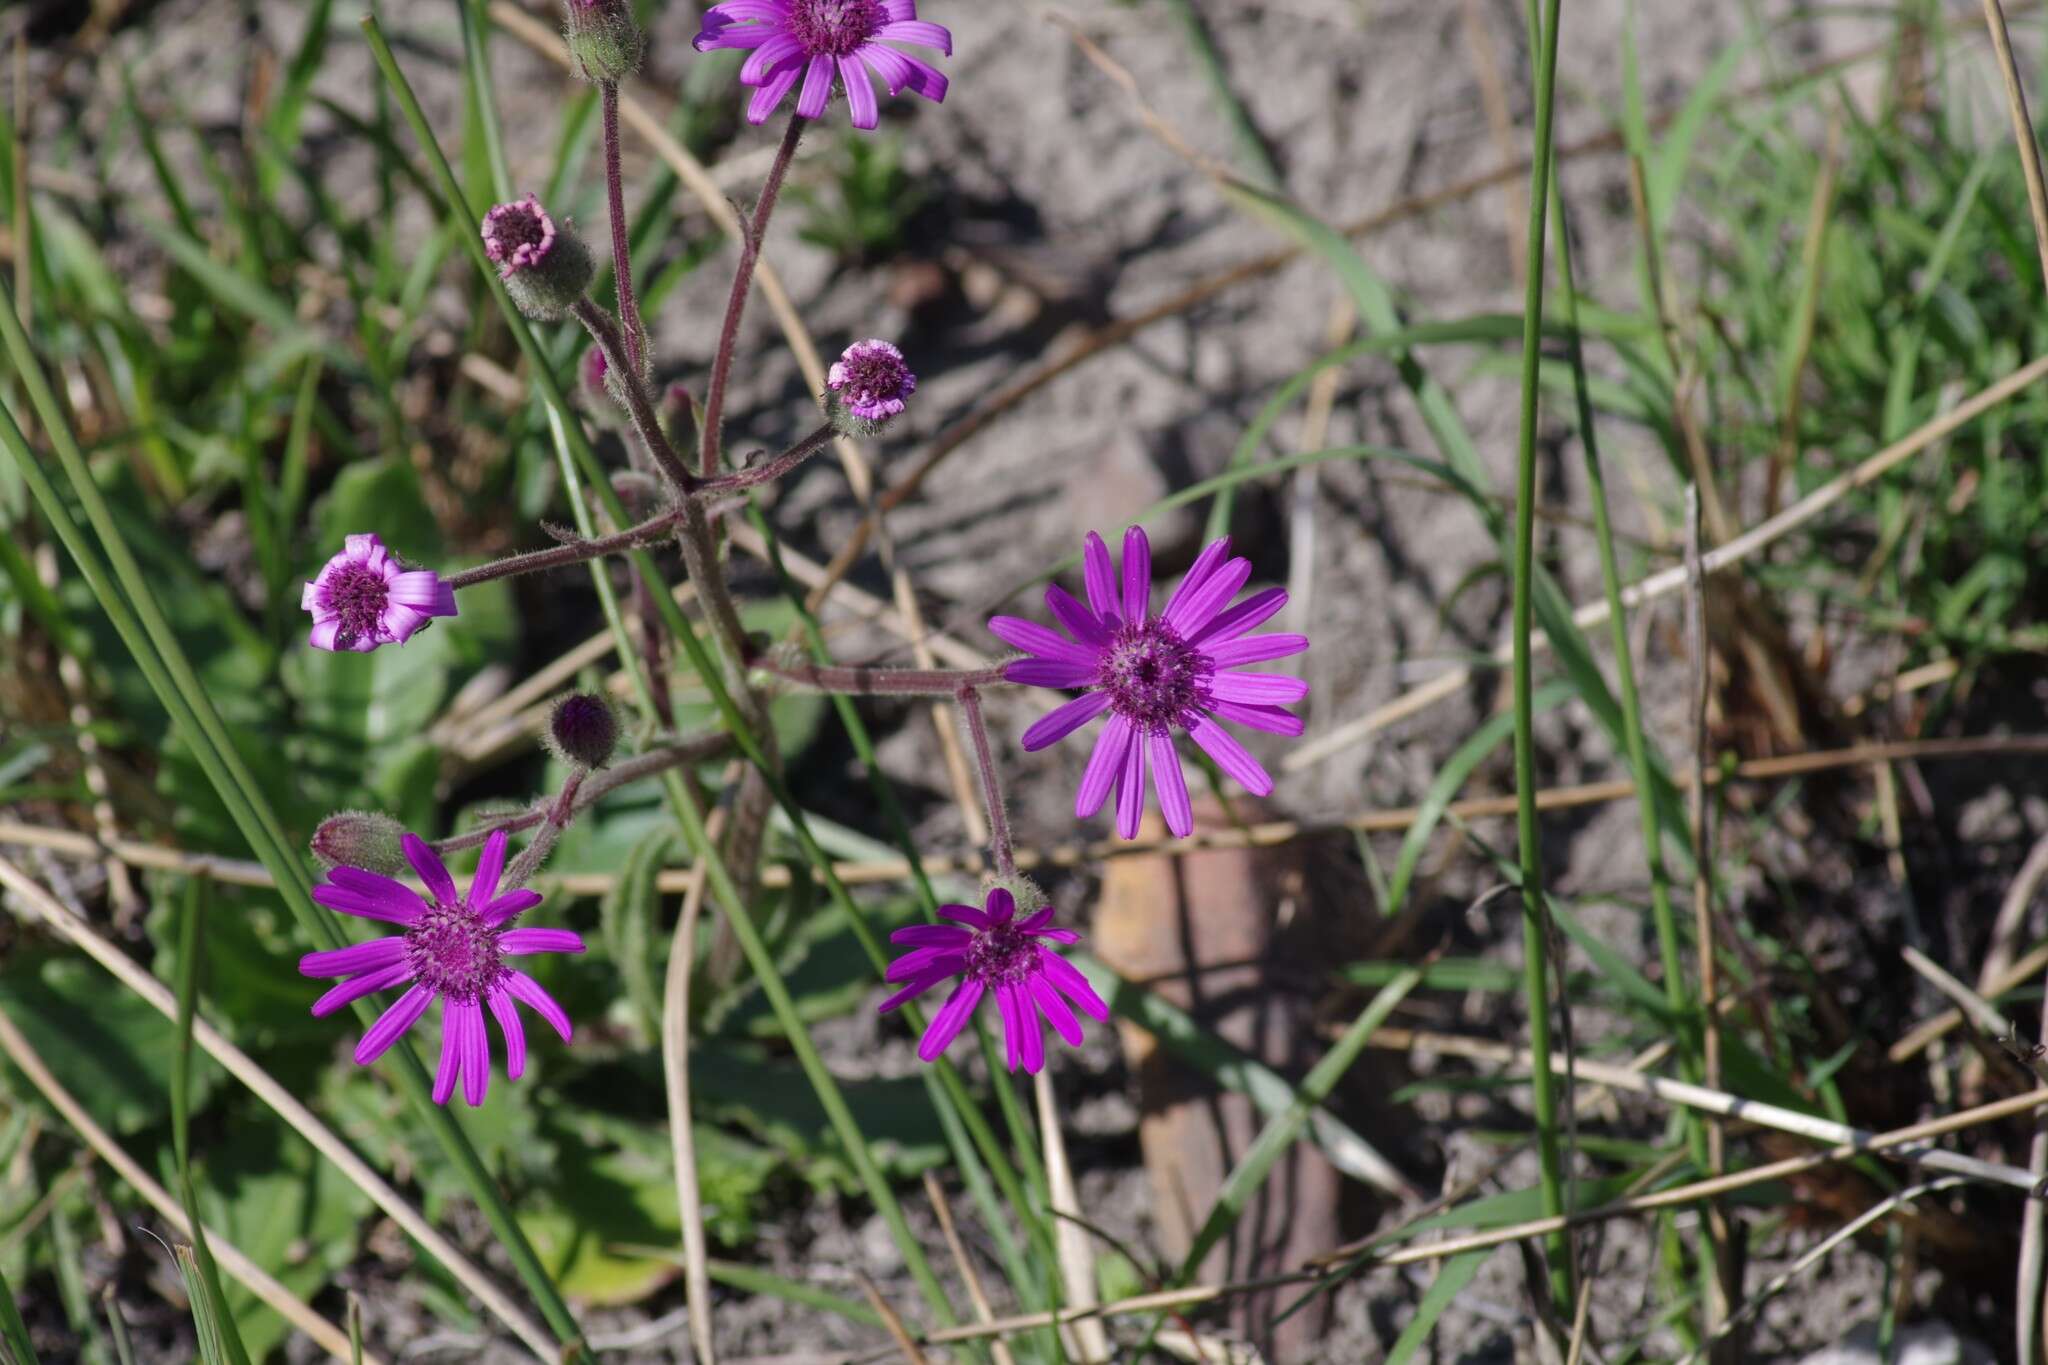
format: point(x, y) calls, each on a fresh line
point(772, 91)
point(1099, 575)
point(951, 1018)
point(933, 936)
point(510, 904)
point(922, 960)
point(1036, 921)
point(515, 1033)
point(1055, 725)
point(360, 957)
point(1031, 1033)
point(1199, 607)
point(1041, 640)
point(1103, 766)
point(1055, 1009)
point(1130, 789)
point(1013, 1028)
point(1255, 650)
point(1231, 756)
point(860, 93)
point(403, 1014)
point(1246, 615)
point(1171, 784)
point(1001, 906)
point(810, 101)
point(1137, 575)
point(422, 590)
point(778, 47)
point(1271, 719)
point(518, 942)
point(433, 873)
point(528, 991)
point(920, 32)
point(1058, 673)
point(1063, 974)
point(404, 902)
point(450, 1069)
point(1213, 554)
point(351, 902)
point(965, 914)
point(892, 66)
point(1083, 624)
point(923, 78)
point(1257, 689)
point(325, 633)
point(915, 987)
point(358, 987)
point(490, 865)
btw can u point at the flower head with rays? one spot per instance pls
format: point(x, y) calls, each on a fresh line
point(991, 950)
point(823, 41)
point(453, 946)
point(364, 597)
point(1178, 670)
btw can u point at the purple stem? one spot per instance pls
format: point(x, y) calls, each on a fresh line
point(683, 753)
point(605, 333)
point(615, 192)
point(742, 280)
point(991, 793)
point(773, 469)
point(858, 680)
point(646, 533)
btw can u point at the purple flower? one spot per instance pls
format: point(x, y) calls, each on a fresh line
point(824, 40)
point(872, 380)
point(518, 235)
point(454, 946)
point(995, 951)
point(363, 597)
point(1157, 674)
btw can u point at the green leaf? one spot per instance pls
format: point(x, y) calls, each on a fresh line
point(381, 495)
point(1451, 1280)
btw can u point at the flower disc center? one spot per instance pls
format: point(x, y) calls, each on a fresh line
point(451, 950)
point(1154, 679)
point(1001, 955)
point(834, 28)
point(358, 594)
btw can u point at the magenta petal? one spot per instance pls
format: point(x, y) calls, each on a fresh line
point(350, 900)
point(326, 631)
point(772, 92)
point(403, 1014)
point(1100, 576)
point(450, 1069)
point(1060, 935)
point(1035, 922)
point(529, 993)
point(965, 914)
point(1137, 575)
point(933, 936)
point(1048, 673)
point(951, 1018)
point(515, 1033)
point(423, 591)
point(1257, 689)
point(1044, 641)
point(490, 865)
point(1057, 724)
point(923, 960)
point(1200, 606)
point(1001, 905)
point(1130, 789)
point(476, 1062)
point(919, 32)
point(1231, 756)
point(810, 101)
point(1271, 719)
point(860, 93)
point(1083, 624)
point(1013, 1031)
point(915, 987)
point(508, 905)
point(1063, 974)
point(774, 48)
point(360, 957)
point(358, 987)
point(1246, 615)
point(923, 79)
point(518, 942)
point(433, 873)
point(1104, 765)
point(1213, 554)
point(1171, 784)
point(1031, 1033)
point(1055, 1010)
point(1255, 650)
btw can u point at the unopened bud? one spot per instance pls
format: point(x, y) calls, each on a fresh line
point(678, 416)
point(358, 838)
point(1030, 897)
point(604, 42)
point(583, 730)
point(545, 266)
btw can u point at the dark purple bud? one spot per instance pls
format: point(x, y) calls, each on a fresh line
point(545, 266)
point(583, 730)
point(364, 839)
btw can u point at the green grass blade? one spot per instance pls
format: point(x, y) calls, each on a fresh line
point(1452, 1279)
point(752, 1280)
point(208, 1315)
point(117, 1326)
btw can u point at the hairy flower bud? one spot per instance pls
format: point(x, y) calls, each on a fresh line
point(604, 42)
point(1030, 897)
point(358, 838)
point(678, 416)
point(583, 730)
point(545, 266)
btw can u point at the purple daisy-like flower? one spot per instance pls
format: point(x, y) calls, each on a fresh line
point(363, 597)
point(822, 41)
point(454, 947)
point(992, 950)
point(871, 379)
point(1157, 674)
point(518, 236)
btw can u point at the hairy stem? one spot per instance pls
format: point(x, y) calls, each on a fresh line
point(858, 680)
point(606, 333)
point(742, 281)
point(685, 752)
point(615, 194)
point(991, 791)
point(772, 470)
point(655, 528)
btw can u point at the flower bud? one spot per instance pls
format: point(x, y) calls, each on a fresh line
point(604, 42)
point(545, 266)
point(364, 839)
point(867, 386)
point(678, 416)
point(1030, 897)
point(583, 730)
